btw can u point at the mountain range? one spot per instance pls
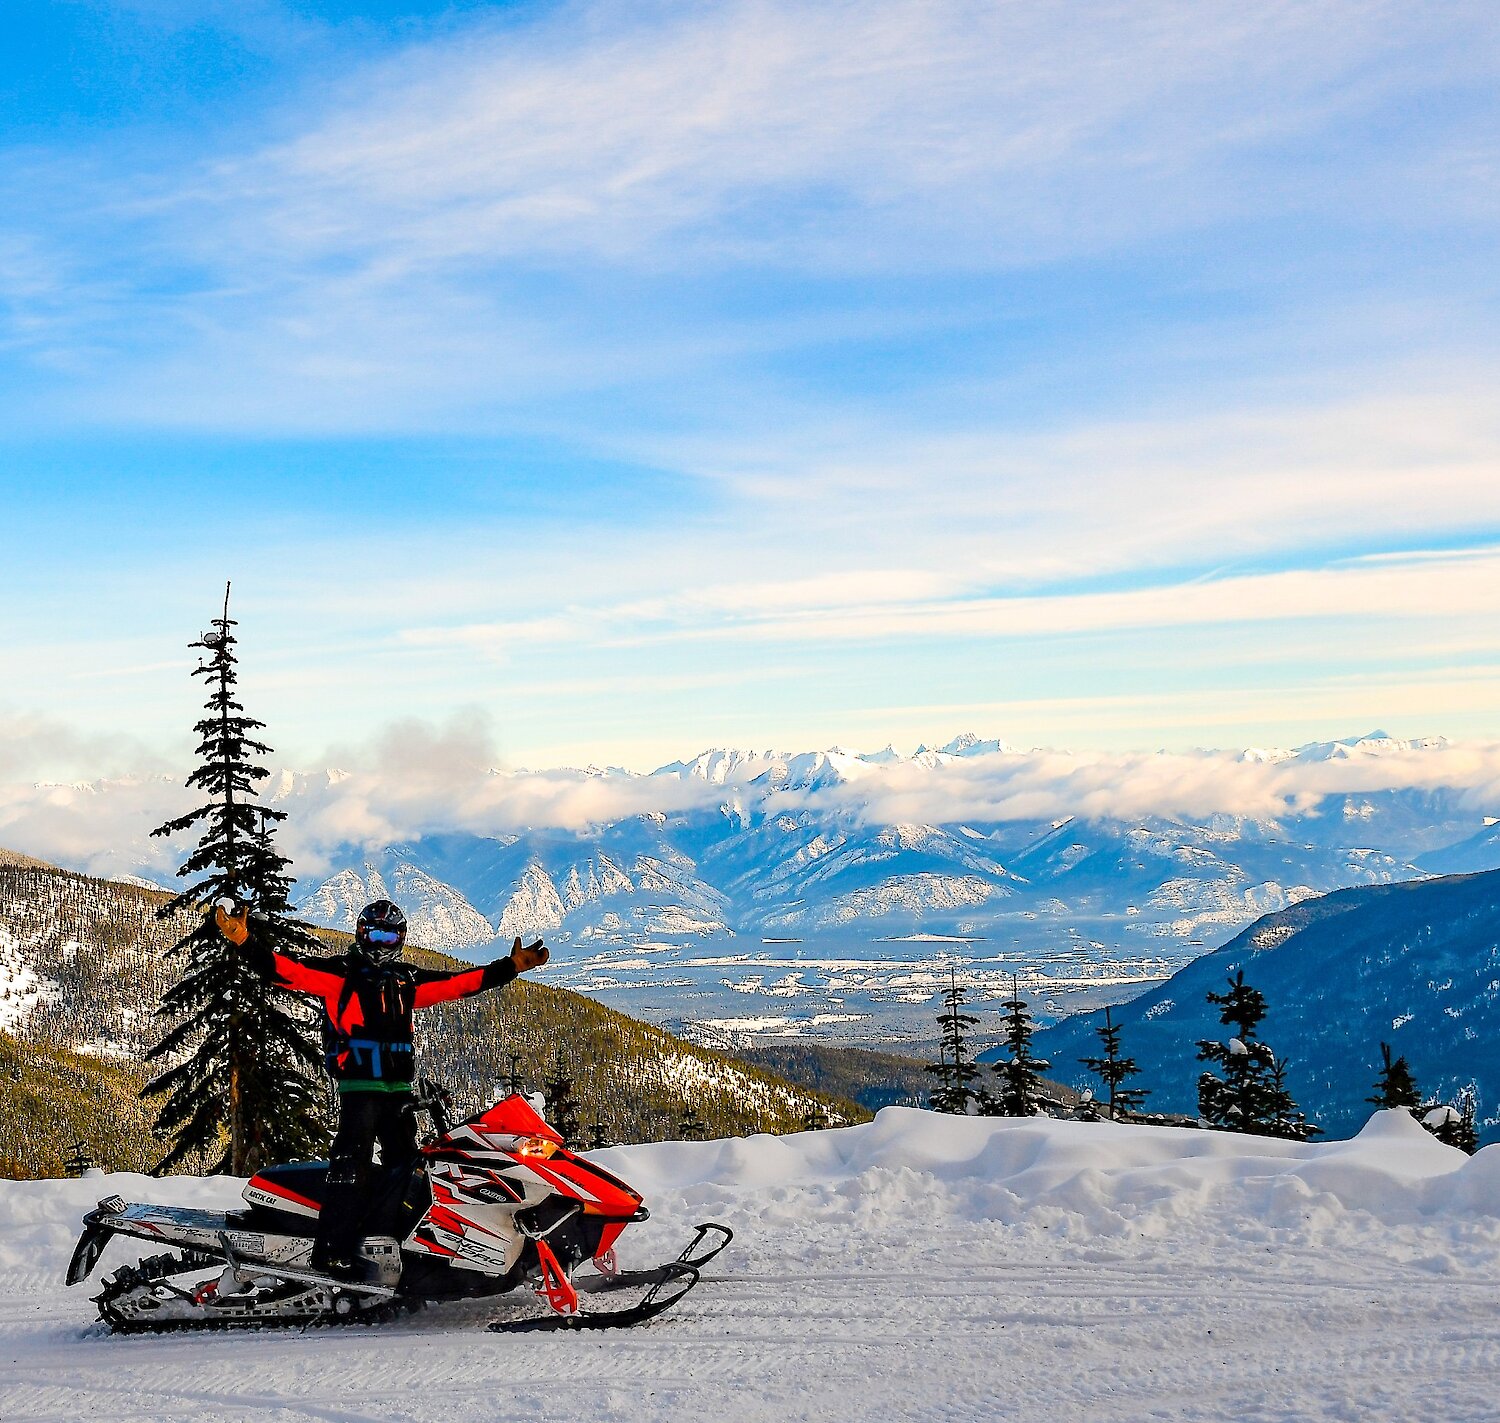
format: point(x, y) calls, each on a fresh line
point(797, 847)
point(825, 893)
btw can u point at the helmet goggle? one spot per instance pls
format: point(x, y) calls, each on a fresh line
point(384, 936)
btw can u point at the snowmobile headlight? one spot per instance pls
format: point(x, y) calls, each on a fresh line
point(535, 1146)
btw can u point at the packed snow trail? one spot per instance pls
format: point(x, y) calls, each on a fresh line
point(918, 1267)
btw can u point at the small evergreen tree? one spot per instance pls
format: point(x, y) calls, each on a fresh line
point(1455, 1126)
point(815, 1118)
point(1287, 1119)
point(599, 1135)
point(954, 1066)
point(1020, 1074)
point(691, 1127)
point(1251, 1095)
point(1395, 1087)
point(562, 1106)
point(244, 1095)
point(1114, 1071)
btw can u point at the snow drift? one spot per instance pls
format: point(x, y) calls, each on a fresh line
point(919, 1266)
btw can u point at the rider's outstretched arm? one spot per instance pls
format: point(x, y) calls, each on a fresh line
point(286, 970)
point(434, 987)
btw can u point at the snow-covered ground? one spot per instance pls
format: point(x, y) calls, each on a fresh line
point(919, 1267)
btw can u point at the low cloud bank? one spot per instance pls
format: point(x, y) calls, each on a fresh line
point(417, 779)
point(1046, 784)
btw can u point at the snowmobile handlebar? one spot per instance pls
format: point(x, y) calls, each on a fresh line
point(434, 1099)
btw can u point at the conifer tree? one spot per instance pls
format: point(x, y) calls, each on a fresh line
point(954, 1066)
point(599, 1135)
point(1114, 1071)
point(1395, 1087)
point(562, 1106)
point(1251, 1095)
point(1287, 1119)
point(691, 1127)
point(1020, 1074)
point(1455, 1126)
point(815, 1118)
point(1466, 1137)
point(245, 1094)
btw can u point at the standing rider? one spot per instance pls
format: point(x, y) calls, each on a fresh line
point(369, 997)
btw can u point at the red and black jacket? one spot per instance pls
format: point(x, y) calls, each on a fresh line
point(368, 1006)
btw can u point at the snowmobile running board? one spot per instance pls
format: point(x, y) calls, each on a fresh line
point(667, 1285)
point(306, 1277)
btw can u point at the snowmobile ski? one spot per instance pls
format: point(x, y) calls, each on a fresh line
point(668, 1285)
point(691, 1256)
point(664, 1286)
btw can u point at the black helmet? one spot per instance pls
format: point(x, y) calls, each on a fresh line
point(381, 930)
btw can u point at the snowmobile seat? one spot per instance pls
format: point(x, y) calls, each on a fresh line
point(296, 1188)
point(299, 1189)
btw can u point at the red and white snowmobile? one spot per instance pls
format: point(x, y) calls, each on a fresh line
point(492, 1205)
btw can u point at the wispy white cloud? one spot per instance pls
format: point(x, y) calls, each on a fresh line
point(1046, 785)
point(718, 241)
point(370, 265)
point(602, 132)
point(1428, 588)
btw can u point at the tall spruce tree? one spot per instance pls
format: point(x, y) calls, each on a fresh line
point(1115, 1071)
point(954, 1066)
point(1395, 1087)
point(1251, 1095)
point(240, 1091)
point(1020, 1074)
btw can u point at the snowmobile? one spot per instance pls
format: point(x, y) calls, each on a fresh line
point(491, 1205)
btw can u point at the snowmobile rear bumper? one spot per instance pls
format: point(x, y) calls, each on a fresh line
point(96, 1235)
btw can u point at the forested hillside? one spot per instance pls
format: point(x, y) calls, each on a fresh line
point(1416, 965)
point(53, 1099)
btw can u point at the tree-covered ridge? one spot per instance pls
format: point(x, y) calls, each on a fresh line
point(81, 966)
point(1415, 966)
point(870, 1077)
point(55, 1098)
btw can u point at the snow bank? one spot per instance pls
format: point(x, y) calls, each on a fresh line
point(919, 1267)
point(1085, 1178)
point(1089, 1177)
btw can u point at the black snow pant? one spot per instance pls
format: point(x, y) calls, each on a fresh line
point(365, 1118)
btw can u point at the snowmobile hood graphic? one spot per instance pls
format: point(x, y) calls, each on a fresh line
point(493, 1204)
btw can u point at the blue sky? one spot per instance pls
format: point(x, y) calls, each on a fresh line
point(645, 377)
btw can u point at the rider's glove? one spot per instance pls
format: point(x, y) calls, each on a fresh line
point(234, 927)
point(526, 956)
